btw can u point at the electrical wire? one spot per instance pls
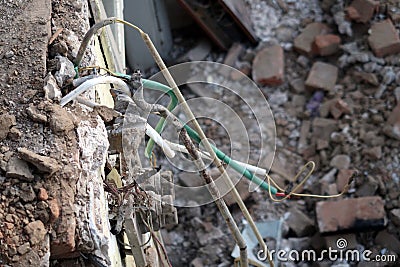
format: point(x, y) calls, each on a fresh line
point(197, 136)
point(249, 171)
point(182, 149)
point(159, 141)
point(106, 79)
point(121, 85)
point(149, 84)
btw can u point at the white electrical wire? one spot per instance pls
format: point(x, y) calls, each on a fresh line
point(160, 141)
point(182, 149)
point(205, 155)
point(120, 84)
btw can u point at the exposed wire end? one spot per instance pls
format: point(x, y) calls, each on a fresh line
point(292, 192)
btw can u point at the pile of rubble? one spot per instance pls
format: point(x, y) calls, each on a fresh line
point(331, 75)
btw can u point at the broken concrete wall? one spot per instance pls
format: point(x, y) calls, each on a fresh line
point(51, 158)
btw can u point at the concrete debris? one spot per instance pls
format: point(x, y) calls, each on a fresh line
point(323, 128)
point(369, 78)
point(268, 66)
point(36, 232)
point(233, 54)
point(24, 248)
point(198, 52)
point(389, 241)
point(340, 162)
point(35, 114)
point(17, 168)
point(60, 120)
point(6, 122)
point(395, 216)
point(392, 128)
point(350, 214)
point(42, 163)
point(14, 134)
point(322, 76)
point(27, 194)
point(51, 89)
point(368, 187)
point(65, 71)
point(300, 223)
point(384, 38)
point(298, 85)
point(373, 153)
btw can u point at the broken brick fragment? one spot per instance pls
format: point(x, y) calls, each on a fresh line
point(352, 13)
point(384, 38)
point(303, 42)
point(343, 177)
point(42, 194)
point(325, 45)
point(362, 10)
point(339, 107)
point(322, 76)
point(357, 214)
point(268, 66)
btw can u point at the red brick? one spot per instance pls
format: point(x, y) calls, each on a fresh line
point(303, 42)
point(352, 13)
point(339, 107)
point(356, 214)
point(325, 45)
point(268, 66)
point(343, 178)
point(322, 76)
point(362, 10)
point(54, 210)
point(42, 195)
point(384, 38)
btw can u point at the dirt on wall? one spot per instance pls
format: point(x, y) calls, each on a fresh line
point(39, 150)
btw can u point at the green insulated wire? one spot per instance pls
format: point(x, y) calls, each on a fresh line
point(237, 167)
point(193, 134)
point(161, 123)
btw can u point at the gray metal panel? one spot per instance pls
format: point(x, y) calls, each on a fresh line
point(151, 17)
